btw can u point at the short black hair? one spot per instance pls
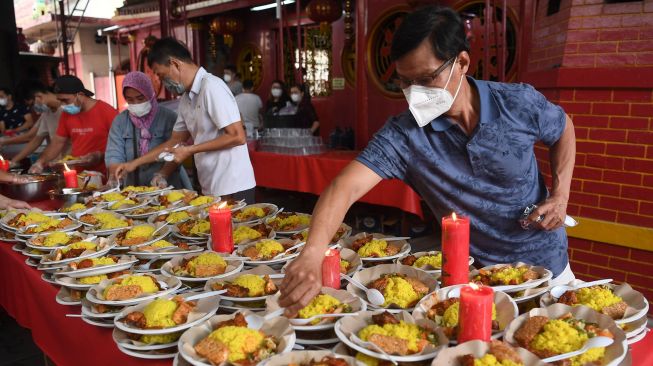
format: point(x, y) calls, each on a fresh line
point(6, 90)
point(248, 84)
point(39, 87)
point(231, 68)
point(441, 25)
point(165, 48)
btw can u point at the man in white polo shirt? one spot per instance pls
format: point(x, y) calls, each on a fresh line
point(208, 113)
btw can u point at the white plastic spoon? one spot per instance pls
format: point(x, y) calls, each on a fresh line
point(374, 296)
point(591, 343)
point(285, 252)
point(354, 338)
point(146, 266)
point(298, 321)
point(557, 291)
point(395, 238)
point(255, 321)
point(205, 294)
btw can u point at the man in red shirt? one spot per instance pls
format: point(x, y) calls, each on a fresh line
point(85, 122)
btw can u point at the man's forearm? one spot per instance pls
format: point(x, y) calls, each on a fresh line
point(168, 168)
point(153, 154)
point(50, 153)
point(31, 146)
point(563, 157)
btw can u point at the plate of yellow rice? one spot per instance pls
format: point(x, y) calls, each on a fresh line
point(511, 277)
point(51, 241)
point(100, 265)
point(419, 340)
point(243, 345)
point(249, 285)
point(372, 248)
point(289, 223)
point(136, 288)
point(495, 353)
point(559, 329)
point(264, 251)
point(201, 267)
point(77, 251)
point(430, 262)
point(254, 213)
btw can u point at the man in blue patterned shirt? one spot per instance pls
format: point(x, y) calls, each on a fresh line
point(465, 146)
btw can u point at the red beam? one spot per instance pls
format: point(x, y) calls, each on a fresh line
point(361, 123)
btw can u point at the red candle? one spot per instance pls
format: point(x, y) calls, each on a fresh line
point(221, 230)
point(4, 164)
point(455, 250)
point(475, 313)
point(331, 269)
point(70, 176)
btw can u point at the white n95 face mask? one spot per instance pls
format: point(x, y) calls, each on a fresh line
point(427, 103)
point(141, 109)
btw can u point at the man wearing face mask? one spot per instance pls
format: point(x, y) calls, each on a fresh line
point(209, 115)
point(85, 122)
point(49, 107)
point(144, 125)
point(231, 78)
point(465, 146)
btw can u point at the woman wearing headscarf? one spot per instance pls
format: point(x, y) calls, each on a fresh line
point(141, 127)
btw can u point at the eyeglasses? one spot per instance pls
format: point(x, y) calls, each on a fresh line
point(423, 80)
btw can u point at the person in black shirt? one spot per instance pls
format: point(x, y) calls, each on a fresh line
point(277, 99)
point(14, 117)
point(306, 115)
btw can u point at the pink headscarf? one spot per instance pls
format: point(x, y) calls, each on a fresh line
point(142, 83)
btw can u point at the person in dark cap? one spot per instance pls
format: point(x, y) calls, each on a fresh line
point(85, 122)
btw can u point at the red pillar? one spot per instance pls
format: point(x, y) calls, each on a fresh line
point(361, 125)
point(164, 16)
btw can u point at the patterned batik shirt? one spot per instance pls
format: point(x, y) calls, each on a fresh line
point(490, 176)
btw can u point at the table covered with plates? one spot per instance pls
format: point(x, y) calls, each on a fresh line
point(28, 298)
point(313, 173)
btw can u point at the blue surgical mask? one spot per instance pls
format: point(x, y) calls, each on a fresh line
point(173, 86)
point(40, 108)
point(71, 109)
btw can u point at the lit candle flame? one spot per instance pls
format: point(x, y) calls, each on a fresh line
point(330, 252)
point(453, 216)
point(66, 167)
point(1, 158)
point(473, 286)
point(222, 205)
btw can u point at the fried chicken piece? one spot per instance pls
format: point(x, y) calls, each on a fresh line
point(441, 306)
point(409, 261)
point(565, 362)
point(329, 361)
point(391, 345)
point(466, 360)
point(86, 263)
point(358, 243)
point(237, 321)
point(180, 316)
point(392, 249)
point(270, 287)
point(251, 252)
point(615, 311)
point(136, 319)
point(123, 292)
point(417, 285)
point(117, 274)
point(183, 246)
point(384, 318)
point(132, 241)
point(568, 298)
point(89, 219)
point(208, 270)
point(502, 351)
point(237, 291)
point(76, 295)
point(533, 325)
point(379, 284)
point(530, 275)
point(214, 351)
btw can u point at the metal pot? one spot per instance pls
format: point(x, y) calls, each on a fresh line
point(36, 189)
point(69, 196)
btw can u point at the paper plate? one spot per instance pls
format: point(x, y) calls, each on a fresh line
point(614, 353)
point(478, 349)
point(148, 193)
point(4, 222)
point(159, 354)
point(638, 337)
point(637, 303)
point(47, 277)
point(159, 236)
point(98, 322)
point(233, 266)
point(271, 235)
point(405, 247)
point(368, 275)
point(32, 262)
point(272, 210)
point(94, 295)
point(64, 297)
point(125, 262)
point(259, 271)
point(305, 357)
point(205, 308)
point(530, 293)
point(140, 202)
point(286, 243)
point(102, 247)
point(78, 214)
point(164, 254)
point(71, 227)
point(346, 326)
point(122, 338)
point(298, 229)
point(279, 327)
point(89, 312)
point(427, 268)
point(75, 234)
point(357, 305)
point(544, 274)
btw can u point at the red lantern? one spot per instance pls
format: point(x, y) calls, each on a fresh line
point(324, 11)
